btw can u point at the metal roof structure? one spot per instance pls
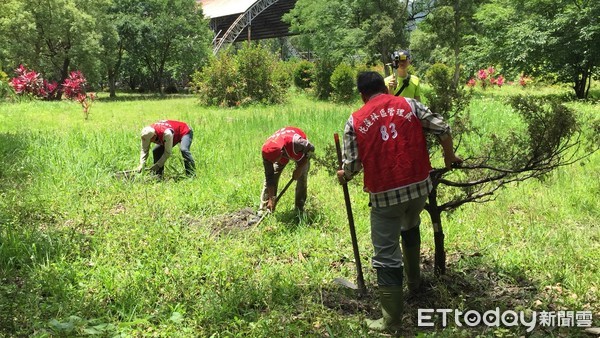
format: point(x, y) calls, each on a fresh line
point(240, 20)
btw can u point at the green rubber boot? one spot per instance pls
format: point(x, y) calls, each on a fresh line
point(412, 266)
point(392, 306)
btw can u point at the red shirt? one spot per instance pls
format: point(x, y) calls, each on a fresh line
point(391, 144)
point(284, 139)
point(179, 130)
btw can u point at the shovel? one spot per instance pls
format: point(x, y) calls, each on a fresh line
point(276, 200)
point(362, 290)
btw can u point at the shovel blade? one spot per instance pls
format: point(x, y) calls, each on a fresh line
point(345, 282)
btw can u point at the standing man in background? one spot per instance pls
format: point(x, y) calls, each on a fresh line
point(289, 143)
point(386, 138)
point(166, 134)
point(401, 83)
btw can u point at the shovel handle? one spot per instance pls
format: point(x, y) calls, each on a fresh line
point(359, 275)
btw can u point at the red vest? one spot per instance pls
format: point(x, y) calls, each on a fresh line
point(391, 144)
point(284, 138)
point(179, 130)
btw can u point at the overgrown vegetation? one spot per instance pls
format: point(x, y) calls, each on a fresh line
point(83, 252)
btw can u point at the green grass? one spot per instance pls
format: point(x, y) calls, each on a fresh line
point(82, 252)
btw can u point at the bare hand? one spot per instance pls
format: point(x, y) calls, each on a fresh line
point(341, 177)
point(452, 161)
point(297, 173)
point(271, 204)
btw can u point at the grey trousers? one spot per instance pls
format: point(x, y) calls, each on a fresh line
point(301, 187)
point(386, 225)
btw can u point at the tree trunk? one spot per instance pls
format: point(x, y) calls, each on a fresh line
point(456, 44)
point(438, 234)
point(64, 74)
point(581, 86)
point(112, 84)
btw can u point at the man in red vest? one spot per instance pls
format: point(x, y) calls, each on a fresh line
point(166, 134)
point(386, 139)
point(289, 143)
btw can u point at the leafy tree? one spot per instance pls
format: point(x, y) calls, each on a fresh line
point(445, 33)
point(170, 37)
point(550, 137)
point(341, 29)
point(543, 37)
point(52, 36)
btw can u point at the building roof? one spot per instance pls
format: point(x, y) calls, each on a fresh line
point(220, 8)
point(267, 24)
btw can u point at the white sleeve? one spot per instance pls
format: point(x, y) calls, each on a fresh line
point(144, 151)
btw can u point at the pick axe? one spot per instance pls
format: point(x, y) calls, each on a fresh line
point(359, 278)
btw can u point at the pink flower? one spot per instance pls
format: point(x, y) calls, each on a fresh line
point(482, 74)
point(491, 70)
point(500, 80)
point(472, 82)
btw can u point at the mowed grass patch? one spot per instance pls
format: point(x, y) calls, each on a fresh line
point(83, 251)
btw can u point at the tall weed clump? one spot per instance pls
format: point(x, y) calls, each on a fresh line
point(343, 83)
point(246, 77)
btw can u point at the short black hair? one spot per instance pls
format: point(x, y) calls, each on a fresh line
point(370, 83)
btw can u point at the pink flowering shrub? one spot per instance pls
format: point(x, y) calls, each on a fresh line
point(485, 78)
point(74, 89)
point(30, 83)
point(524, 80)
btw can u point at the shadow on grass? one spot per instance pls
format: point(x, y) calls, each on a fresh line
point(143, 97)
point(36, 279)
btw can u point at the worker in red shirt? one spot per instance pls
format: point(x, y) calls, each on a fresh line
point(289, 143)
point(166, 134)
point(386, 138)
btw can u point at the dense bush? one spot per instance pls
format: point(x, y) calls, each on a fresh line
point(444, 98)
point(246, 77)
point(343, 83)
point(219, 83)
point(322, 84)
point(255, 66)
point(304, 74)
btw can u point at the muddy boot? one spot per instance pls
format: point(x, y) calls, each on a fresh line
point(392, 302)
point(411, 255)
